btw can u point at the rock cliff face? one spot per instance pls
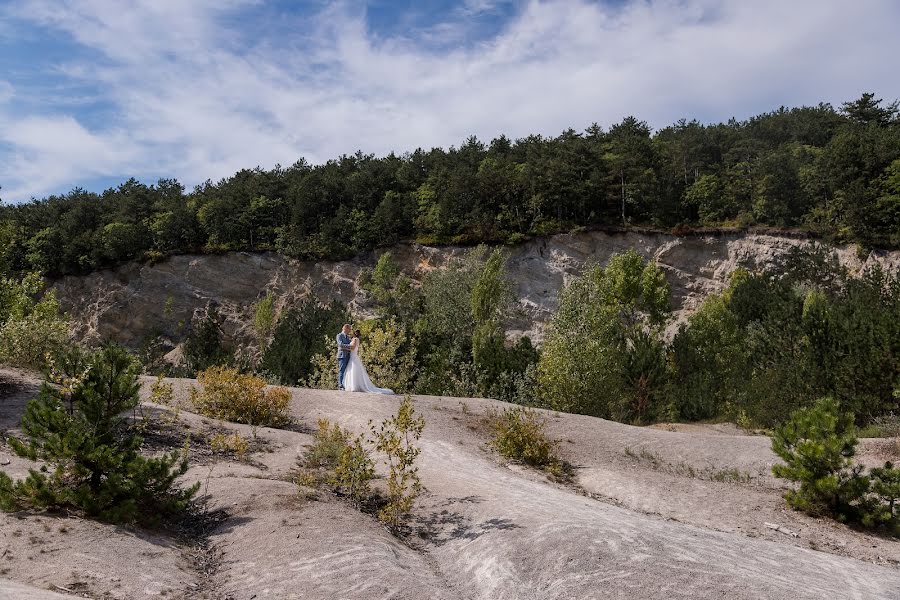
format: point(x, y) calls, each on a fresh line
point(137, 301)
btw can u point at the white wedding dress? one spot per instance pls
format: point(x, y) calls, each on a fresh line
point(357, 380)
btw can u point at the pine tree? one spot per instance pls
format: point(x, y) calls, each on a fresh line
point(80, 431)
point(817, 445)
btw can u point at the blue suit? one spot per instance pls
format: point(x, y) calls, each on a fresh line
point(343, 356)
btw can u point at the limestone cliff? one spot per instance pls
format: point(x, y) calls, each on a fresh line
point(135, 301)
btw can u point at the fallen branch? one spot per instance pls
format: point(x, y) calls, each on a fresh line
point(781, 529)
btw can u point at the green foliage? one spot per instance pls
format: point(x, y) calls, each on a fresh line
point(323, 368)
point(391, 290)
point(833, 171)
point(303, 331)
point(817, 445)
point(777, 340)
point(388, 353)
point(30, 329)
point(204, 346)
point(460, 335)
point(708, 360)
point(396, 438)
point(338, 459)
point(264, 318)
point(329, 442)
point(886, 491)
point(354, 471)
point(604, 355)
point(229, 395)
point(490, 297)
point(520, 434)
point(91, 451)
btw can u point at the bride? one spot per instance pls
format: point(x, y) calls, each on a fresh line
point(356, 379)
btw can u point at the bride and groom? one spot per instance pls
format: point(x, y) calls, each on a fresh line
point(352, 375)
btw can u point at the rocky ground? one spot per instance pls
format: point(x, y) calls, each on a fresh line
point(661, 512)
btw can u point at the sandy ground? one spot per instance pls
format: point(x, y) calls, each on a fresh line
point(651, 513)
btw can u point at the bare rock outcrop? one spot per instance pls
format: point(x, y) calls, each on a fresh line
point(137, 301)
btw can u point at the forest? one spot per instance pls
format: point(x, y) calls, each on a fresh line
point(834, 173)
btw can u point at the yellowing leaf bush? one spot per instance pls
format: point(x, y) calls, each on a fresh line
point(232, 396)
point(221, 443)
point(519, 434)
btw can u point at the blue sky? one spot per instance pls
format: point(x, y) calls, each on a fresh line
point(93, 92)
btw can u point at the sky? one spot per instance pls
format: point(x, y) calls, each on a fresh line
point(93, 92)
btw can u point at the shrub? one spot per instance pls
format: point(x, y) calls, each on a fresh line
point(817, 444)
point(264, 318)
point(323, 371)
point(884, 508)
point(519, 434)
point(162, 392)
point(29, 329)
point(515, 238)
point(203, 347)
point(391, 291)
point(354, 471)
point(388, 354)
point(329, 442)
point(396, 439)
point(302, 332)
point(229, 395)
point(91, 451)
point(335, 458)
point(604, 353)
point(235, 443)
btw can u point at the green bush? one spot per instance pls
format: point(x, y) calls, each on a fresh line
point(396, 438)
point(354, 471)
point(90, 450)
point(328, 444)
point(883, 507)
point(604, 353)
point(29, 329)
point(338, 459)
point(817, 445)
point(264, 318)
point(204, 346)
point(302, 332)
point(229, 395)
point(322, 370)
point(520, 434)
point(777, 340)
point(388, 353)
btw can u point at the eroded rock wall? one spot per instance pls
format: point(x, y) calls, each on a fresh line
point(137, 301)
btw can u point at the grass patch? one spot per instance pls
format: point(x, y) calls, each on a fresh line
point(683, 469)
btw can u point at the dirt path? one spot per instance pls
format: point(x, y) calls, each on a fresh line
point(646, 518)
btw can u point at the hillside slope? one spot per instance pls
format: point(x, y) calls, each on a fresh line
point(133, 302)
point(636, 523)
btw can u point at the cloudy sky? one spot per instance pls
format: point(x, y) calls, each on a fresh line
point(95, 91)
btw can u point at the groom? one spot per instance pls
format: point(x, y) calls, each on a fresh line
point(343, 354)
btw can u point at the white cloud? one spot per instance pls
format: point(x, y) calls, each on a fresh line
point(193, 100)
point(7, 91)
